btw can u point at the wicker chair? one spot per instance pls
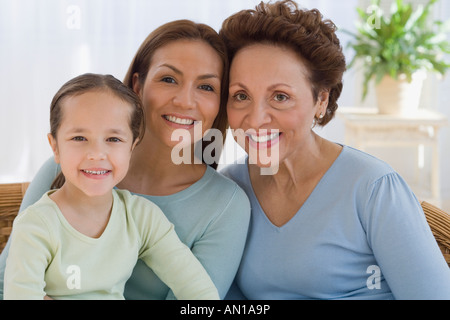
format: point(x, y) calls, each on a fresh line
point(439, 222)
point(11, 195)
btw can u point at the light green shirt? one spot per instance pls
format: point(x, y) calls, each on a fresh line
point(48, 256)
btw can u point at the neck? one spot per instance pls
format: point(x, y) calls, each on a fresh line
point(153, 172)
point(88, 215)
point(69, 198)
point(307, 162)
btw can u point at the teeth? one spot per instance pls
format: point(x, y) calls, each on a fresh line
point(95, 172)
point(179, 120)
point(264, 138)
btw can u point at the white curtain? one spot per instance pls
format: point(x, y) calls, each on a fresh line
point(44, 43)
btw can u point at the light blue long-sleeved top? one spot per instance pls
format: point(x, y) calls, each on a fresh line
point(211, 217)
point(361, 234)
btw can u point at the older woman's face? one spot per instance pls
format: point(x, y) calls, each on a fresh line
point(271, 101)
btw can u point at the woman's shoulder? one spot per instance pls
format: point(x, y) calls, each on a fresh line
point(225, 186)
point(236, 171)
point(221, 178)
point(41, 182)
point(357, 163)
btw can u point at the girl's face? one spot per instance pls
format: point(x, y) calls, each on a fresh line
point(94, 142)
point(182, 90)
point(270, 99)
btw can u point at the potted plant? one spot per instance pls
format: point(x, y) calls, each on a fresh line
point(396, 50)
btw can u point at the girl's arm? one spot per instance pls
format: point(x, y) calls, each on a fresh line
point(220, 248)
point(170, 259)
point(28, 258)
point(40, 184)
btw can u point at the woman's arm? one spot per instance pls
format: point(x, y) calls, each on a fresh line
point(220, 248)
point(40, 184)
point(404, 247)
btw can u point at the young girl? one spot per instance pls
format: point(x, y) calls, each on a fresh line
point(83, 240)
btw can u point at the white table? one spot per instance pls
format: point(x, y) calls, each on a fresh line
point(364, 128)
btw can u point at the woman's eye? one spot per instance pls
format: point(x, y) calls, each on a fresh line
point(114, 139)
point(207, 87)
point(168, 80)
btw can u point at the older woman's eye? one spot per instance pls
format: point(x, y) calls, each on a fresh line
point(240, 96)
point(280, 97)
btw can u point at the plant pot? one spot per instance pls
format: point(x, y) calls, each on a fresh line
point(399, 97)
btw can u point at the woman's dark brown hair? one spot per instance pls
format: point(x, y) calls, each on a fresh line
point(95, 82)
point(183, 30)
point(304, 31)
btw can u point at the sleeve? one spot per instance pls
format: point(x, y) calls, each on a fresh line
point(170, 259)
point(28, 258)
point(40, 185)
point(403, 244)
point(220, 248)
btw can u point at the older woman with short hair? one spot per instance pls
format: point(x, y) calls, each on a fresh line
point(329, 222)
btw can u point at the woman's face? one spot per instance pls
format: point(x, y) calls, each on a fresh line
point(182, 89)
point(271, 100)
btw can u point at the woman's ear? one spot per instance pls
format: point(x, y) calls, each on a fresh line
point(136, 84)
point(54, 146)
point(322, 103)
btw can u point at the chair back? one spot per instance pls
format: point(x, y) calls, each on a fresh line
point(11, 195)
point(439, 222)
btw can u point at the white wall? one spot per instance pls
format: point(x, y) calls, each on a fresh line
point(44, 43)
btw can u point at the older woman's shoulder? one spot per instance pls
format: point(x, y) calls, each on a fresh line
point(361, 165)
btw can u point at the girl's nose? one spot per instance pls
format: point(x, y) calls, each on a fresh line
point(96, 151)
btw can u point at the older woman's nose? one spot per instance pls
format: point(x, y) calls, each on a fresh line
point(258, 115)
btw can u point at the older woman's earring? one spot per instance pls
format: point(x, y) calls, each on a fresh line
point(321, 116)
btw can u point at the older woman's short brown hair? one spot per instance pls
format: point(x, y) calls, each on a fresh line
point(304, 31)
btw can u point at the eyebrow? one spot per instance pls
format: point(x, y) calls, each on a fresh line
point(271, 87)
point(178, 71)
point(83, 130)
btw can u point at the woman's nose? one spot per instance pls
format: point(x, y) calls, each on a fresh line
point(185, 97)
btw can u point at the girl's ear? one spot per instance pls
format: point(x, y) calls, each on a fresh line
point(135, 143)
point(54, 146)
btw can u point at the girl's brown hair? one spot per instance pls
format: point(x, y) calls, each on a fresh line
point(183, 30)
point(91, 82)
point(304, 31)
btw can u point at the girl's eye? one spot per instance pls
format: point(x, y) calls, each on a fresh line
point(280, 97)
point(113, 139)
point(78, 138)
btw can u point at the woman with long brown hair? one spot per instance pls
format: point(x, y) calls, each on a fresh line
point(180, 74)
